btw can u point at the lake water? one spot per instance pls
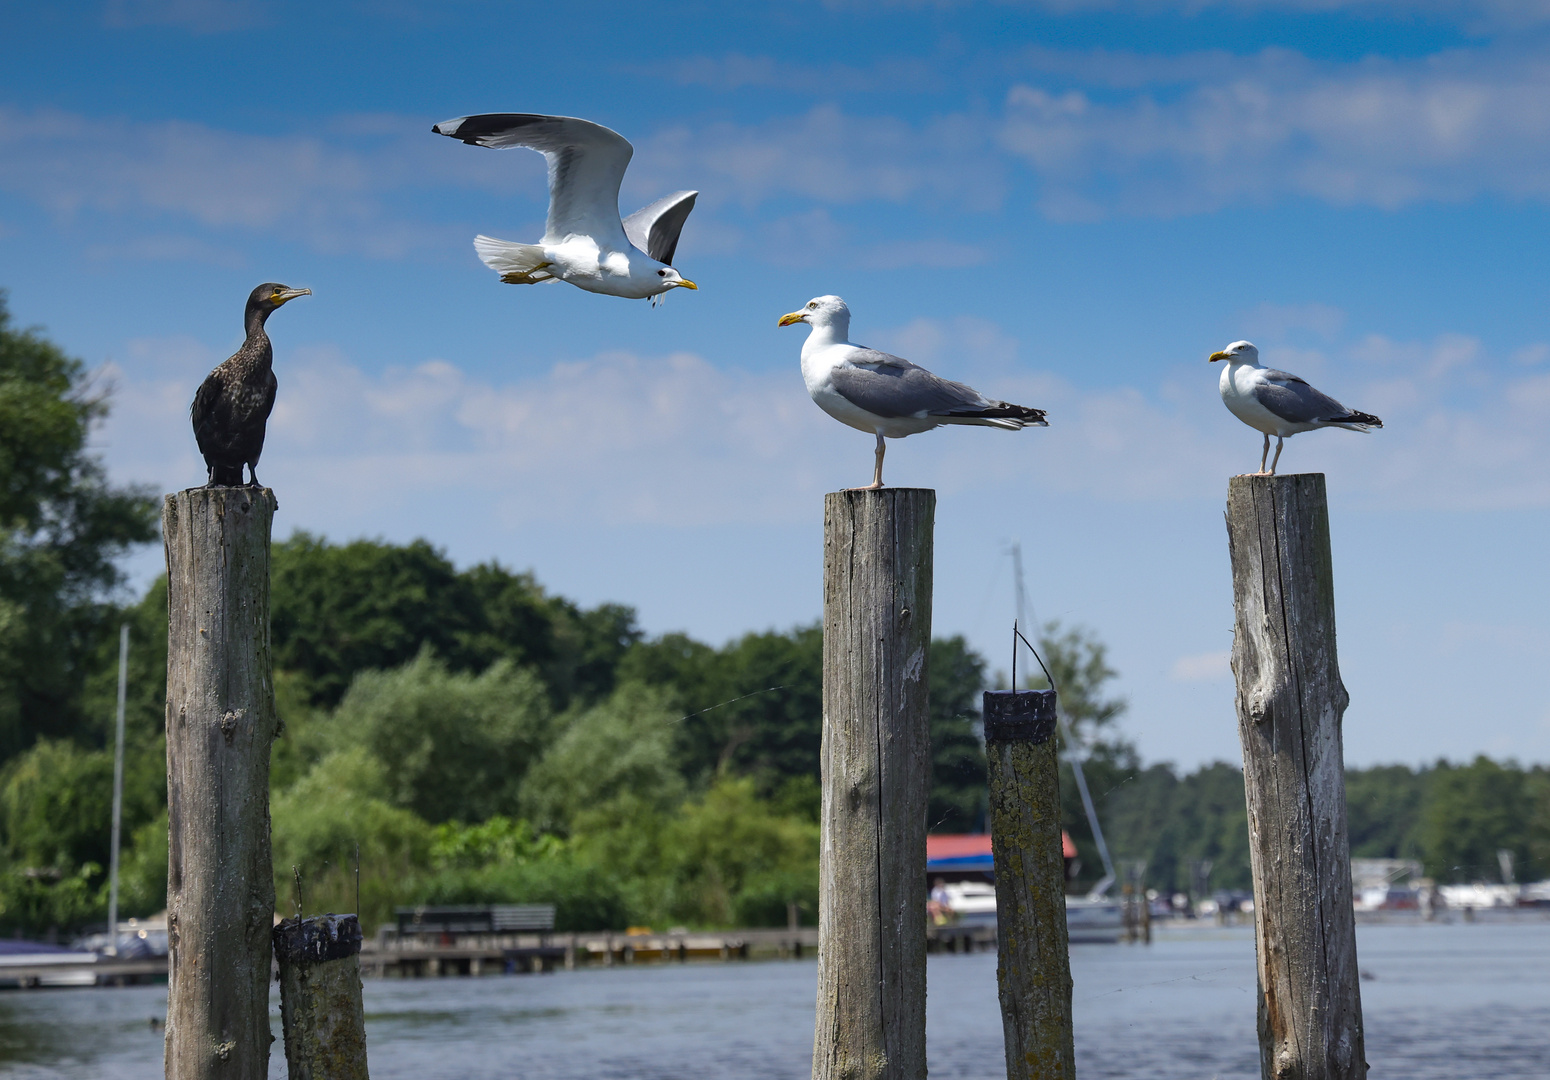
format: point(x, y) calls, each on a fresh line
point(1440, 1001)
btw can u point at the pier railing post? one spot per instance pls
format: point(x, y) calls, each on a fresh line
point(220, 723)
point(876, 759)
point(320, 997)
point(1034, 972)
point(1290, 702)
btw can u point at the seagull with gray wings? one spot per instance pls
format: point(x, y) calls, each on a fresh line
point(1279, 403)
point(584, 242)
point(885, 394)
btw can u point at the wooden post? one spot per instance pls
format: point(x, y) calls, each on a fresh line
point(1034, 973)
point(220, 723)
point(320, 997)
point(1290, 703)
point(876, 762)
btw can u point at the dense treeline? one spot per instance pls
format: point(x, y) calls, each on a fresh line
point(476, 738)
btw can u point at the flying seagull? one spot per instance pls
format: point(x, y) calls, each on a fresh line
point(584, 241)
point(878, 392)
point(1279, 403)
point(233, 403)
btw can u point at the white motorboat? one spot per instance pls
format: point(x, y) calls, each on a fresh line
point(1089, 919)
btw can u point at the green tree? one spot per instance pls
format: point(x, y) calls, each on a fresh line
point(62, 526)
point(1384, 810)
point(1078, 661)
point(960, 798)
point(339, 609)
point(55, 816)
point(611, 763)
point(1472, 812)
point(753, 707)
point(452, 746)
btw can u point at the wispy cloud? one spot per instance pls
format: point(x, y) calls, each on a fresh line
point(688, 440)
point(1474, 14)
point(1202, 668)
point(198, 16)
point(1378, 133)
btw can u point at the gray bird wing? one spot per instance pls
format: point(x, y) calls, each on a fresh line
point(890, 386)
point(1294, 401)
point(586, 165)
point(655, 228)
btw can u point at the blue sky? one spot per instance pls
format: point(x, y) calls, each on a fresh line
point(1067, 203)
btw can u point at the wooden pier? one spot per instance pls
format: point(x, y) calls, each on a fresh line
point(489, 954)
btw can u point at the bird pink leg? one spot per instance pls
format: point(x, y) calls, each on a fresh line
point(877, 471)
point(1280, 442)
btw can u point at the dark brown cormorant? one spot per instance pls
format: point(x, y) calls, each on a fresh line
point(233, 403)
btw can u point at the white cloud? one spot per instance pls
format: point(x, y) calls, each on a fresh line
point(1253, 129)
point(1202, 668)
point(198, 16)
point(329, 189)
point(682, 439)
point(1475, 14)
point(829, 156)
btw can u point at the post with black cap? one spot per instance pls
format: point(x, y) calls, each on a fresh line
point(320, 997)
point(1034, 972)
point(876, 775)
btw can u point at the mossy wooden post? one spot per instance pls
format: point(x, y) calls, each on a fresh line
point(1034, 972)
point(320, 997)
point(1290, 704)
point(220, 723)
point(876, 760)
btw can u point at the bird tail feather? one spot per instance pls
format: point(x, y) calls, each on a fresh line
point(507, 257)
point(998, 414)
point(1358, 421)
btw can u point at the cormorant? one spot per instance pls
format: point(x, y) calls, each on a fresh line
point(233, 403)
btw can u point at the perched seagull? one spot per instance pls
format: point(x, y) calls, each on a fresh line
point(1279, 403)
point(231, 408)
point(584, 241)
point(875, 391)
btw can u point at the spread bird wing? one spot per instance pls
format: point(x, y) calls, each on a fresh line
point(655, 228)
point(1293, 400)
point(890, 386)
point(586, 164)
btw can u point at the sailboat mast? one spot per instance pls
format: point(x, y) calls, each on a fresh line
point(1073, 751)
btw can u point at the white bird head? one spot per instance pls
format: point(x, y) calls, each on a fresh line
point(1238, 350)
point(673, 279)
point(829, 311)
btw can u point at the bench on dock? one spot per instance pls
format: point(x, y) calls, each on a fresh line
point(478, 919)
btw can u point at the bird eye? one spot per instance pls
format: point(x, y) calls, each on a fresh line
point(661, 273)
point(812, 303)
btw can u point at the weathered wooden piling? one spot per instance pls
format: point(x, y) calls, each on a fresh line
point(1290, 703)
point(320, 997)
point(220, 723)
point(1034, 970)
point(876, 756)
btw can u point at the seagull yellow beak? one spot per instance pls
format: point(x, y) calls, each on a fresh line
point(1214, 357)
point(685, 283)
point(289, 294)
point(792, 317)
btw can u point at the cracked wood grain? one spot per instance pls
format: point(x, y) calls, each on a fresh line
point(1290, 704)
point(876, 759)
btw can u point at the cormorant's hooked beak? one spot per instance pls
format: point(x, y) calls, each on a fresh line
point(792, 317)
point(288, 294)
point(685, 283)
point(1214, 357)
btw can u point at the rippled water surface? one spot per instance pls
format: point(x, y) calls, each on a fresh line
point(1441, 1001)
